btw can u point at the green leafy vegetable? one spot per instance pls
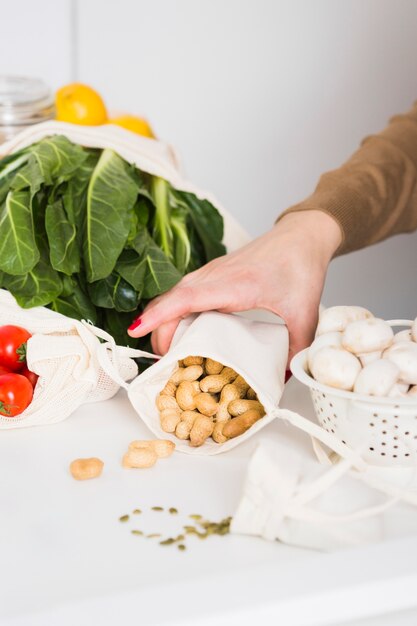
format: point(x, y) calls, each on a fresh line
point(18, 250)
point(62, 239)
point(110, 199)
point(40, 286)
point(93, 237)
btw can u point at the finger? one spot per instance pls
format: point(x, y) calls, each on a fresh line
point(162, 336)
point(180, 302)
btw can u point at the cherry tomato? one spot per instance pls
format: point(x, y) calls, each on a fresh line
point(16, 394)
point(13, 347)
point(31, 376)
point(4, 370)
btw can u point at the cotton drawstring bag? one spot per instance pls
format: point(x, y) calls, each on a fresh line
point(256, 350)
point(340, 503)
point(63, 353)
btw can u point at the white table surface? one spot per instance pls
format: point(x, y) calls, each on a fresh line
point(66, 559)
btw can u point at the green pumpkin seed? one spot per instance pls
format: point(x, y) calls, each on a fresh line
point(167, 542)
point(181, 546)
point(157, 508)
point(124, 518)
point(136, 532)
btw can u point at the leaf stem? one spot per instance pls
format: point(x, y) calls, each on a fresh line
point(162, 226)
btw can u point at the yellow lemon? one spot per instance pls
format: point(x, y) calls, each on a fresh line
point(80, 104)
point(135, 124)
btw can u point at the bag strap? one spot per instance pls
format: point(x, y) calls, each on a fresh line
point(109, 354)
point(349, 460)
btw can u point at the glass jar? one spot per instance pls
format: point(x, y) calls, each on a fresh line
point(23, 102)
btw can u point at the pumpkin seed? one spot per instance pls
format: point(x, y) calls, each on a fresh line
point(167, 542)
point(181, 546)
point(195, 517)
point(157, 508)
point(136, 532)
point(173, 511)
point(153, 535)
point(124, 518)
point(137, 512)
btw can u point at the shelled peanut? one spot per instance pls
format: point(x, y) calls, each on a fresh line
point(203, 398)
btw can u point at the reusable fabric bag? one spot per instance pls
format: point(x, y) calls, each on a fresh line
point(258, 351)
point(63, 353)
point(287, 496)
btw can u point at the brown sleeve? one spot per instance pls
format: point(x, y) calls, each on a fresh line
point(374, 194)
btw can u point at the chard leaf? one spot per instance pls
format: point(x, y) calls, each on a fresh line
point(29, 177)
point(114, 292)
point(159, 273)
point(207, 222)
point(52, 160)
point(40, 286)
point(8, 171)
point(75, 194)
point(110, 199)
point(130, 267)
point(116, 324)
point(63, 249)
point(76, 305)
point(68, 285)
point(18, 250)
point(143, 182)
point(14, 157)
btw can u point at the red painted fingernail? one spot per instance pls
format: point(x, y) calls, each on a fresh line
point(137, 322)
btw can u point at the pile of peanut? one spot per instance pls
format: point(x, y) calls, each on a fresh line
point(205, 399)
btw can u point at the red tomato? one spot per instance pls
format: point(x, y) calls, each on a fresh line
point(13, 347)
point(4, 370)
point(31, 376)
point(15, 394)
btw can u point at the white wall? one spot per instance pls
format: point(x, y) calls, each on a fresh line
point(258, 96)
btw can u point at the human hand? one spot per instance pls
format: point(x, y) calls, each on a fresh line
point(282, 271)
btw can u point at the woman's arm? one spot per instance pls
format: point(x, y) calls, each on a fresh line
point(374, 194)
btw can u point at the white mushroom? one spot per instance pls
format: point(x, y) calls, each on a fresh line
point(414, 330)
point(368, 335)
point(335, 367)
point(369, 357)
point(329, 339)
point(336, 318)
point(403, 335)
point(404, 355)
point(377, 378)
point(399, 390)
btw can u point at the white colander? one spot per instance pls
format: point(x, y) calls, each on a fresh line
point(383, 430)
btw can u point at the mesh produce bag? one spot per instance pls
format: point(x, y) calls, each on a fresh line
point(63, 353)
